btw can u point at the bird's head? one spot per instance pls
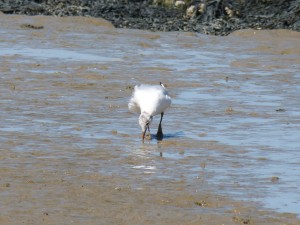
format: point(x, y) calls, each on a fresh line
point(144, 120)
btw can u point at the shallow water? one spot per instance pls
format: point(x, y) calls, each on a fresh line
point(232, 130)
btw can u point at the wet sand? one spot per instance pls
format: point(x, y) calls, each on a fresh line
point(71, 152)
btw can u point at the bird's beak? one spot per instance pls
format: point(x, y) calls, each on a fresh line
point(143, 135)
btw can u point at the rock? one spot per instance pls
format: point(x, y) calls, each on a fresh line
point(274, 179)
point(214, 17)
point(31, 26)
point(167, 3)
point(201, 8)
point(190, 11)
point(179, 4)
point(229, 11)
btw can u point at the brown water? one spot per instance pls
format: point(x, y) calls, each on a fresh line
point(71, 152)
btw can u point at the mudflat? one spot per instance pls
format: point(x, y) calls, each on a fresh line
point(71, 152)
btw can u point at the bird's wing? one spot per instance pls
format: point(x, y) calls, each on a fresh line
point(149, 98)
point(133, 104)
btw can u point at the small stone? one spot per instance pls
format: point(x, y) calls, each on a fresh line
point(229, 11)
point(274, 179)
point(179, 3)
point(114, 132)
point(203, 165)
point(129, 87)
point(229, 110)
point(31, 26)
point(201, 8)
point(190, 12)
point(148, 136)
point(201, 203)
point(118, 188)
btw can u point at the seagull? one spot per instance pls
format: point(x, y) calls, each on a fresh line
point(149, 100)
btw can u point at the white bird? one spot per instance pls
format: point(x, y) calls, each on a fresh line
point(149, 100)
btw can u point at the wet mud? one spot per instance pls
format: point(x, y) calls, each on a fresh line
point(71, 151)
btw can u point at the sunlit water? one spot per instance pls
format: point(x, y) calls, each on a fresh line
point(233, 126)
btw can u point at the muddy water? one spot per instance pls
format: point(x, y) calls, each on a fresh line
point(71, 152)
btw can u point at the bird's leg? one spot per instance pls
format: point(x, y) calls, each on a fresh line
point(159, 134)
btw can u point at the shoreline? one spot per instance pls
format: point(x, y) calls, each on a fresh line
point(207, 17)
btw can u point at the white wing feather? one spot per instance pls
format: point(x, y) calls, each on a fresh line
point(151, 99)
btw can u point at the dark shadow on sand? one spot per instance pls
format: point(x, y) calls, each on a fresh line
point(168, 136)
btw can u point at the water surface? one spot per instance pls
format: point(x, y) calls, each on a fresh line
point(231, 135)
